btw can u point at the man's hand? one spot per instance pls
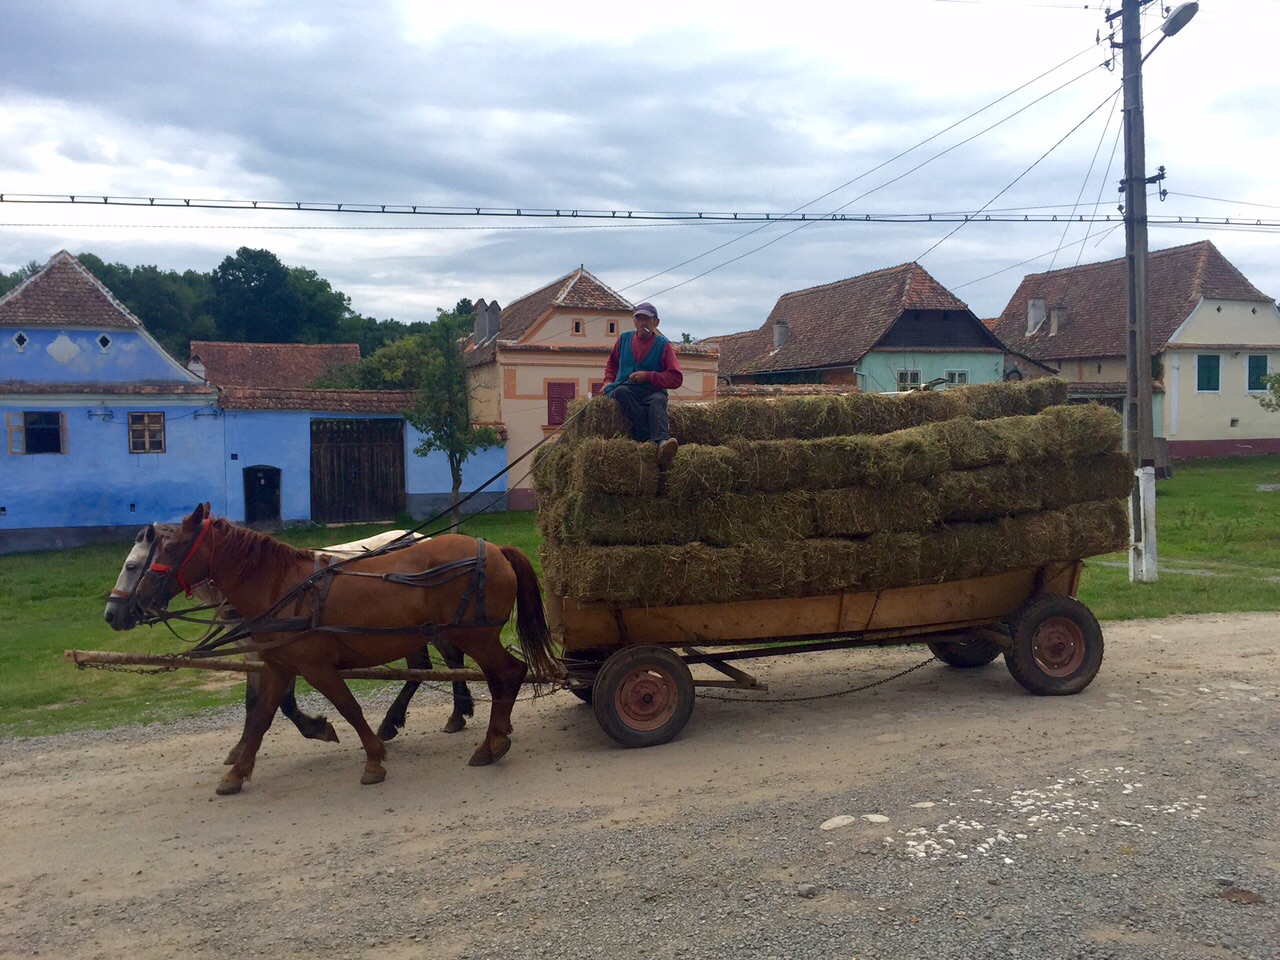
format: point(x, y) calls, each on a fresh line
point(640, 376)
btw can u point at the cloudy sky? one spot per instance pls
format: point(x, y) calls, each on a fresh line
point(887, 108)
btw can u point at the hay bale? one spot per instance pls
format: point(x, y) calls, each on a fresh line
point(600, 417)
point(1107, 476)
point(621, 467)
point(693, 422)
point(605, 520)
point(861, 511)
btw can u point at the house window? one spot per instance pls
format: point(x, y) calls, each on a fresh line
point(597, 387)
point(104, 341)
point(956, 378)
point(558, 397)
point(43, 432)
point(146, 433)
point(1257, 370)
point(908, 380)
point(578, 329)
point(613, 328)
point(20, 340)
point(1208, 373)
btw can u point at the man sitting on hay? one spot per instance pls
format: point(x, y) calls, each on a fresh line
point(640, 371)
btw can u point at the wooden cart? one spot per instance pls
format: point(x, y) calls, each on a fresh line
point(624, 660)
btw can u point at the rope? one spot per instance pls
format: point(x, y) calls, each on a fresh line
point(819, 696)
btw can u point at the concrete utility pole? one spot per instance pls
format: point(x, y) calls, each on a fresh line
point(1139, 418)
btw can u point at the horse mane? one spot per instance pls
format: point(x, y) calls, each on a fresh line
point(252, 552)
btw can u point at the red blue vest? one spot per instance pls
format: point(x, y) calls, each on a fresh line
point(628, 364)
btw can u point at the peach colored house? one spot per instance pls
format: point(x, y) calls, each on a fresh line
point(526, 363)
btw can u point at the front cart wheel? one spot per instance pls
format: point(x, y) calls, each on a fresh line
point(974, 652)
point(1057, 645)
point(643, 696)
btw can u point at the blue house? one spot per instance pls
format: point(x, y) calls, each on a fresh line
point(106, 432)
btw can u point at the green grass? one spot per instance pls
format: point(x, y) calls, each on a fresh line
point(1218, 551)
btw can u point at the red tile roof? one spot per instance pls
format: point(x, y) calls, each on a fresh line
point(1095, 297)
point(324, 401)
point(64, 294)
point(274, 365)
point(577, 290)
point(836, 324)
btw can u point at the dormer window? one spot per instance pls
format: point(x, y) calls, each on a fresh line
point(20, 340)
point(104, 341)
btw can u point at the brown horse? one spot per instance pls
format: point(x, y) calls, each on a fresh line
point(362, 613)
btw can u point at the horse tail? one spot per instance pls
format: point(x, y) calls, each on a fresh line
point(531, 618)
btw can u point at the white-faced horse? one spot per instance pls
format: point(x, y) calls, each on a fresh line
point(123, 613)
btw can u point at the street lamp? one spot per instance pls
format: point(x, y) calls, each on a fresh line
point(1139, 425)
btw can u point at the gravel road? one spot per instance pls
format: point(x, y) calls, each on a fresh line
point(944, 814)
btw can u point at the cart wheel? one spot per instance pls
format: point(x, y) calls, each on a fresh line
point(643, 696)
point(965, 654)
point(1057, 645)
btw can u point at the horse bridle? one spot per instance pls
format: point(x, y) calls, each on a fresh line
point(168, 571)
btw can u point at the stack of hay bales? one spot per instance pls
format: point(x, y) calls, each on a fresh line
point(797, 496)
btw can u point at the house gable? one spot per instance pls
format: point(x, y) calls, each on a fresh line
point(62, 326)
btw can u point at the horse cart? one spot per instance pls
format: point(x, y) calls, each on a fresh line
point(632, 663)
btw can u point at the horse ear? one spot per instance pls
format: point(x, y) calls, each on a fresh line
point(189, 523)
point(149, 533)
point(208, 509)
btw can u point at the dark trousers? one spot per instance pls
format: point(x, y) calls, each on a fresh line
point(645, 408)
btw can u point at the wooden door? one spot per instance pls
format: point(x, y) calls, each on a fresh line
point(357, 470)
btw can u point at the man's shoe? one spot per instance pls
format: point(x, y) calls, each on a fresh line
point(667, 451)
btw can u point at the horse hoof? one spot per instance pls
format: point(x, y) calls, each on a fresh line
point(484, 756)
point(330, 734)
point(228, 787)
point(373, 775)
point(455, 723)
point(385, 732)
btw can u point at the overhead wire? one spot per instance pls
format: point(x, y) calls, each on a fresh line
point(1084, 182)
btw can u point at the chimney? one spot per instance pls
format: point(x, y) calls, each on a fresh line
point(1035, 315)
point(1057, 320)
point(488, 319)
point(781, 331)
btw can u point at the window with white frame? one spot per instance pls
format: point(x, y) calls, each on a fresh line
point(956, 378)
point(908, 379)
point(37, 432)
point(146, 433)
point(1258, 369)
point(1208, 373)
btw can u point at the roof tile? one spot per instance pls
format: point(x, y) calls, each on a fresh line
point(274, 365)
point(63, 293)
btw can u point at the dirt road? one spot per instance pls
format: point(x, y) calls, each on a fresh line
point(1137, 819)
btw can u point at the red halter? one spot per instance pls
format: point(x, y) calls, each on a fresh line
point(163, 569)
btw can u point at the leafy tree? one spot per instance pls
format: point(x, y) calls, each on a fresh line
point(10, 280)
point(441, 410)
point(1272, 400)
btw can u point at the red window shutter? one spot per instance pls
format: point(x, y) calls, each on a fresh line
point(597, 387)
point(558, 397)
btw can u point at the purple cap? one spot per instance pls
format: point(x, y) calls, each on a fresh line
point(646, 310)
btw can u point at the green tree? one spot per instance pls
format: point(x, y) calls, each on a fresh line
point(1272, 399)
point(10, 280)
point(442, 404)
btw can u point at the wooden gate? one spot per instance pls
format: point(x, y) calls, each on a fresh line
point(357, 470)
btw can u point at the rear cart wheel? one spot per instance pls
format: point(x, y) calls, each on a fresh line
point(965, 654)
point(1057, 645)
point(643, 695)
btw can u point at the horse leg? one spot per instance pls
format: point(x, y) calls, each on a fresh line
point(398, 713)
point(273, 681)
point(463, 704)
point(325, 678)
point(313, 728)
point(504, 674)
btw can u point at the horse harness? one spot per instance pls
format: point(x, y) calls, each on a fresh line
point(317, 588)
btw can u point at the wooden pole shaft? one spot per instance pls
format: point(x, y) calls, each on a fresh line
point(234, 665)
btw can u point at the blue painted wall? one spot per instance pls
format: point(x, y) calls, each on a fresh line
point(282, 439)
point(74, 356)
point(881, 367)
point(97, 480)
